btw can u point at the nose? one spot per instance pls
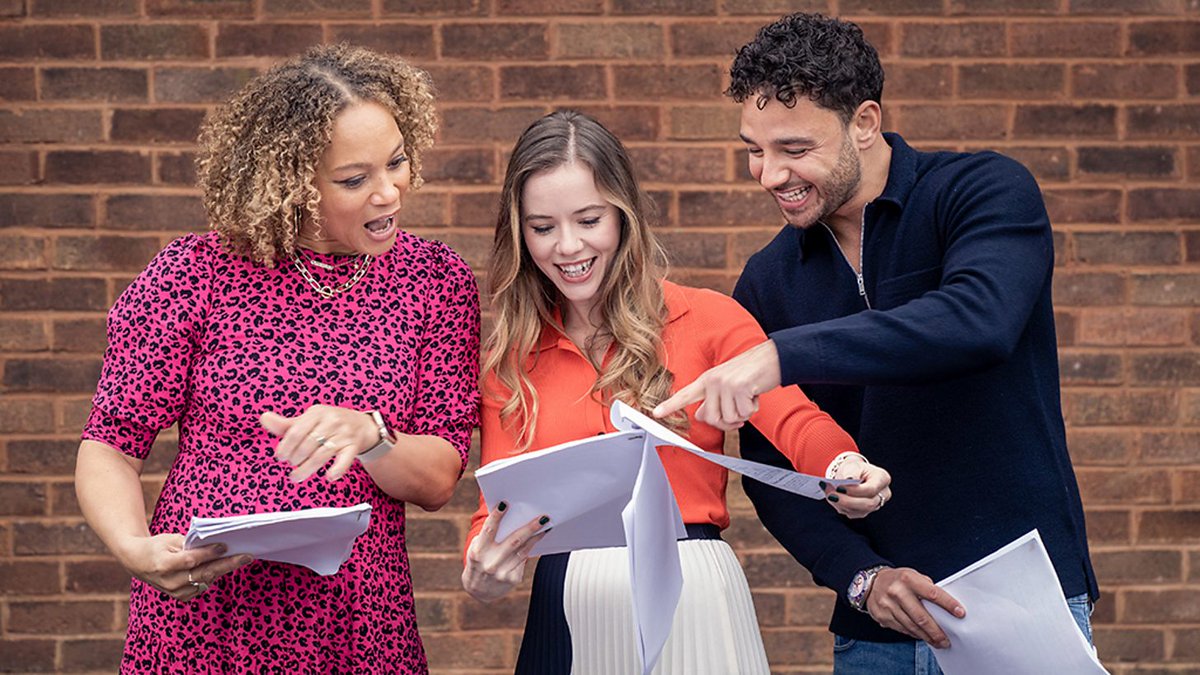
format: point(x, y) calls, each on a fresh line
point(386, 193)
point(569, 242)
point(774, 173)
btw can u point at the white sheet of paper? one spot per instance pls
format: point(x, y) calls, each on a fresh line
point(319, 539)
point(1017, 618)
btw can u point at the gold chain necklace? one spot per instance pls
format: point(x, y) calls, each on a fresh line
point(361, 263)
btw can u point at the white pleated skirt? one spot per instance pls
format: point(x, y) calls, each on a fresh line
point(715, 630)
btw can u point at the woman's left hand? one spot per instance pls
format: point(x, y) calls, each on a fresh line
point(858, 501)
point(310, 439)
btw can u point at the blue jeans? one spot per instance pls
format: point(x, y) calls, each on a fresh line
point(860, 657)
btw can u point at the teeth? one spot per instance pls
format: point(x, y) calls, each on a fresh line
point(577, 269)
point(794, 195)
point(380, 224)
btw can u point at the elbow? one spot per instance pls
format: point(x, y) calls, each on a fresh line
point(992, 349)
point(437, 497)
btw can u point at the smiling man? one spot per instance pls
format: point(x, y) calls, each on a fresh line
point(909, 294)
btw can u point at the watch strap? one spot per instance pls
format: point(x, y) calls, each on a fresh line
point(385, 439)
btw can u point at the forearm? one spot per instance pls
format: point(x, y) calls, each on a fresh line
point(422, 470)
point(109, 488)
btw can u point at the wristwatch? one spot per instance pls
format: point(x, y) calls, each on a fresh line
point(860, 587)
point(386, 441)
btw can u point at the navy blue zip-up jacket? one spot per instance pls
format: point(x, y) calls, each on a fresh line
point(944, 368)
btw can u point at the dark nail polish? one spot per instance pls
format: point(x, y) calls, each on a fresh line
point(543, 520)
point(841, 490)
point(822, 485)
point(501, 506)
point(832, 498)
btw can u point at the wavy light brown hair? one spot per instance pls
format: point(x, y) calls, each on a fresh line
point(259, 152)
point(632, 309)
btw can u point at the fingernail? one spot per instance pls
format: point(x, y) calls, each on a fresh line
point(832, 498)
point(657, 411)
point(960, 612)
point(501, 506)
point(841, 490)
point(822, 484)
point(543, 520)
point(221, 549)
point(245, 559)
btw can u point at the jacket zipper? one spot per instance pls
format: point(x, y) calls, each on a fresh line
point(862, 232)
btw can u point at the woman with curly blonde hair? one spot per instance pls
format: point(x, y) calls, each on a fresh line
point(294, 346)
point(584, 317)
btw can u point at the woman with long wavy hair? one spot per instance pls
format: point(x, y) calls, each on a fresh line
point(585, 317)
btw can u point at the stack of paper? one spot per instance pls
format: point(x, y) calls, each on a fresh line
point(1017, 618)
point(319, 539)
point(612, 490)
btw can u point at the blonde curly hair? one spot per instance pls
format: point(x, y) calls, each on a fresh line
point(259, 152)
point(630, 298)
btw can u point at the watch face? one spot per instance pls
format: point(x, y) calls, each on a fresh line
point(857, 585)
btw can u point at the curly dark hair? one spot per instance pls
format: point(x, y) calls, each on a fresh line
point(825, 59)
point(259, 152)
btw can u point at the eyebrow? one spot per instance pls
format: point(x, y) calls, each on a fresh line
point(788, 140)
point(365, 165)
point(590, 207)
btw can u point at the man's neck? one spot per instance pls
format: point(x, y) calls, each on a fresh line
point(847, 222)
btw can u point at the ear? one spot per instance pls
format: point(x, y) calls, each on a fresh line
point(866, 125)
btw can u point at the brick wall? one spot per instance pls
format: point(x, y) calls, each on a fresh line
point(100, 102)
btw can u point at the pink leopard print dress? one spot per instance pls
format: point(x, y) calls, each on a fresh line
point(210, 341)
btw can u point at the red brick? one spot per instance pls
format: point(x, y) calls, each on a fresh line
point(699, 123)
point(323, 8)
point(775, 570)
point(426, 209)
point(668, 7)
point(1128, 162)
point(1108, 527)
point(153, 41)
point(79, 335)
point(673, 165)
point(59, 293)
point(1164, 204)
point(28, 578)
point(47, 41)
point(199, 85)
point(721, 39)
point(1165, 289)
point(96, 576)
point(50, 126)
point(23, 655)
point(1115, 81)
point(664, 82)
point(1133, 327)
point(1128, 248)
point(1074, 121)
point(59, 210)
point(1062, 39)
point(474, 124)
point(1077, 367)
point(484, 650)
point(56, 375)
point(428, 533)
point(1192, 75)
point(506, 613)
point(93, 655)
point(22, 499)
point(919, 82)
point(969, 121)
point(1191, 245)
point(410, 41)
point(1065, 327)
point(435, 613)
point(726, 208)
point(1158, 38)
point(773, 7)
point(610, 41)
point(1181, 526)
point(1187, 641)
point(33, 538)
point(104, 253)
point(62, 497)
point(630, 123)
point(95, 84)
point(441, 7)
point(1075, 205)
point(49, 618)
point(463, 82)
point(22, 252)
point(156, 125)
point(798, 647)
point(747, 242)
point(553, 82)
point(809, 608)
point(1127, 644)
point(1163, 121)
point(492, 41)
point(1122, 486)
point(23, 335)
point(771, 608)
point(91, 8)
point(18, 84)
point(176, 168)
point(88, 167)
point(1127, 6)
point(959, 40)
point(1189, 487)
point(1003, 7)
point(905, 7)
point(12, 9)
point(1162, 606)
point(201, 8)
point(1095, 408)
point(1047, 164)
point(548, 7)
point(154, 212)
point(1179, 368)
point(1094, 448)
point(18, 167)
point(24, 416)
point(265, 39)
point(1011, 81)
point(694, 249)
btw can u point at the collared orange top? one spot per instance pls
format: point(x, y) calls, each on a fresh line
point(704, 328)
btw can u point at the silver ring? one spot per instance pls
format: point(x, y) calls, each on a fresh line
point(882, 501)
point(196, 584)
point(321, 441)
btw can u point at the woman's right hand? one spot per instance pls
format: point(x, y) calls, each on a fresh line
point(161, 561)
point(494, 568)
